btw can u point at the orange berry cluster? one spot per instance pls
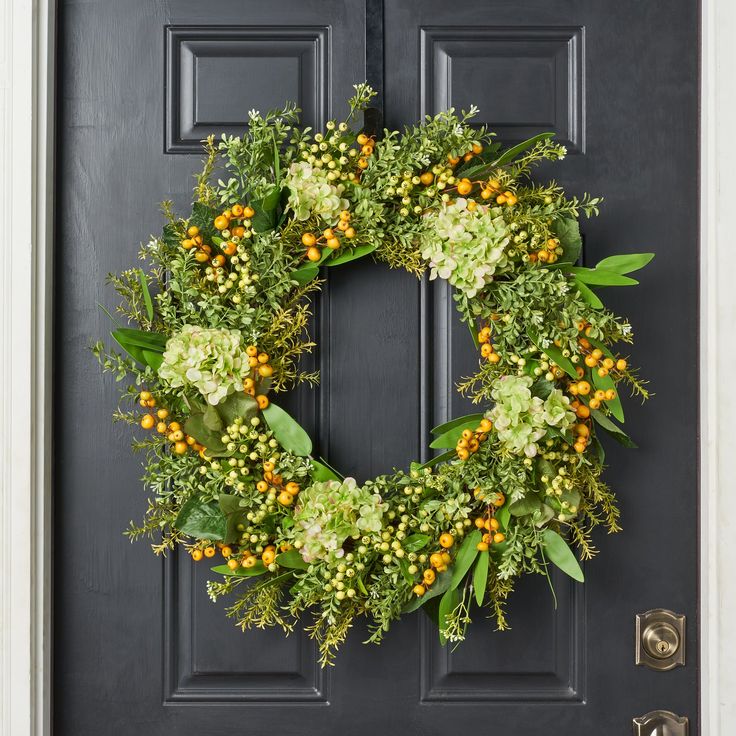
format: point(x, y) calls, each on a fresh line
point(286, 493)
point(240, 558)
point(438, 561)
point(491, 535)
point(486, 346)
point(259, 368)
point(551, 251)
point(366, 144)
point(330, 237)
point(474, 150)
point(470, 440)
point(223, 222)
point(180, 442)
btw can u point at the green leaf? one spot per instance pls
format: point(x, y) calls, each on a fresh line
point(241, 572)
point(625, 263)
point(134, 351)
point(141, 338)
point(438, 459)
point(195, 426)
point(480, 577)
point(359, 252)
point(554, 353)
point(415, 542)
point(404, 567)
point(201, 520)
point(287, 430)
point(615, 431)
point(503, 515)
point(292, 559)
point(265, 216)
point(212, 420)
point(605, 383)
point(450, 438)
point(234, 514)
point(588, 295)
point(465, 557)
point(447, 605)
point(556, 549)
point(441, 584)
point(442, 428)
point(237, 406)
point(322, 472)
point(567, 231)
point(601, 277)
point(525, 506)
point(304, 274)
point(146, 294)
point(153, 359)
point(511, 153)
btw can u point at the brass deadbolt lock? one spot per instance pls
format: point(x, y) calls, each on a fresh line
point(660, 639)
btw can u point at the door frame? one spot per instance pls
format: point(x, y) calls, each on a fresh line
point(27, 102)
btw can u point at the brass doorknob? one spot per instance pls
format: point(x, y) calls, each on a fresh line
point(660, 639)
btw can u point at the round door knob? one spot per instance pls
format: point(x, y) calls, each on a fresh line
point(660, 640)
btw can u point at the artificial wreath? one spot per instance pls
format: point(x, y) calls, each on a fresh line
point(218, 322)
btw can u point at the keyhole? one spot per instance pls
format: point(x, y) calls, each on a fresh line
point(663, 647)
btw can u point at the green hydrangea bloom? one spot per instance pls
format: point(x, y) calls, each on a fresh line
point(311, 192)
point(465, 247)
point(211, 360)
point(521, 419)
point(328, 513)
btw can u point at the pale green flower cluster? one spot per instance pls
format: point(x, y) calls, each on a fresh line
point(465, 247)
point(521, 419)
point(211, 360)
point(328, 513)
point(312, 192)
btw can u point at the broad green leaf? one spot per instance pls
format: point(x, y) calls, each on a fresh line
point(304, 274)
point(601, 277)
point(134, 351)
point(292, 559)
point(615, 431)
point(212, 420)
point(146, 294)
point(480, 577)
point(287, 430)
point(241, 572)
point(557, 551)
point(442, 428)
point(322, 472)
point(448, 604)
point(265, 216)
point(441, 458)
point(555, 354)
point(503, 515)
point(588, 294)
point(234, 514)
point(141, 338)
point(415, 542)
point(525, 506)
point(604, 383)
point(511, 153)
point(359, 252)
point(625, 263)
point(202, 520)
point(441, 584)
point(237, 406)
point(567, 231)
point(450, 438)
point(195, 426)
point(404, 567)
point(152, 358)
point(465, 557)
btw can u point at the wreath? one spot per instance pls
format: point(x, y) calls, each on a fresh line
point(218, 322)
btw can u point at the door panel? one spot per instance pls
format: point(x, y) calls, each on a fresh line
point(139, 648)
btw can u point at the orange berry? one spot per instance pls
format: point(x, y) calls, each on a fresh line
point(262, 401)
point(197, 555)
point(314, 254)
point(221, 222)
point(447, 540)
point(147, 421)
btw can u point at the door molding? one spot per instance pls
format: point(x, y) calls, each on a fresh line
point(27, 74)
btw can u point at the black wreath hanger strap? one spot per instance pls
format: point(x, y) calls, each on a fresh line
point(214, 324)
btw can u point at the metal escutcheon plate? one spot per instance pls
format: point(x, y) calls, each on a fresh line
point(661, 723)
point(660, 639)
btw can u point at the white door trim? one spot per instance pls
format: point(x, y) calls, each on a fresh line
point(27, 32)
point(26, 206)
